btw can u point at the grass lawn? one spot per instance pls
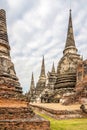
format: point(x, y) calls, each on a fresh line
point(71, 124)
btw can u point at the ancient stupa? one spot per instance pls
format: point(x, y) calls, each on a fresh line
point(31, 93)
point(15, 111)
point(32, 86)
point(9, 84)
point(40, 86)
point(66, 70)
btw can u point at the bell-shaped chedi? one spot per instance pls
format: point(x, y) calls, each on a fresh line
point(68, 64)
point(9, 84)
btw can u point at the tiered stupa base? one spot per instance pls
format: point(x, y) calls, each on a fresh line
point(67, 80)
point(64, 86)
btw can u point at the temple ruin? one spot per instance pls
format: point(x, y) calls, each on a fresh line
point(61, 84)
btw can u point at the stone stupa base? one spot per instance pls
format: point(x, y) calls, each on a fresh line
point(17, 115)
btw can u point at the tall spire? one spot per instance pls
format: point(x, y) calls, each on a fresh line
point(32, 86)
point(53, 68)
point(42, 74)
point(70, 42)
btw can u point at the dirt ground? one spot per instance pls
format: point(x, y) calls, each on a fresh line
point(58, 106)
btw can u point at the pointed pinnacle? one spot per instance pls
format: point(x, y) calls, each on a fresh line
point(32, 86)
point(42, 68)
point(70, 36)
point(53, 68)
point(32, 77)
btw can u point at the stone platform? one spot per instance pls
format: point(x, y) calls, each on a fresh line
point(59, 111)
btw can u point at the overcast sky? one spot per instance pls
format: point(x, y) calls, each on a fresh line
point(39, 27)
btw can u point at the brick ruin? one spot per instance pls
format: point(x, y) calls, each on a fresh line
point(15, 111)
point(80, 90)
point(81, 83)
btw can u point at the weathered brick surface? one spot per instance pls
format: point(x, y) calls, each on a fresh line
point(22, 118)
point(81, 82)
point(16, 113)
point(24, 125)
